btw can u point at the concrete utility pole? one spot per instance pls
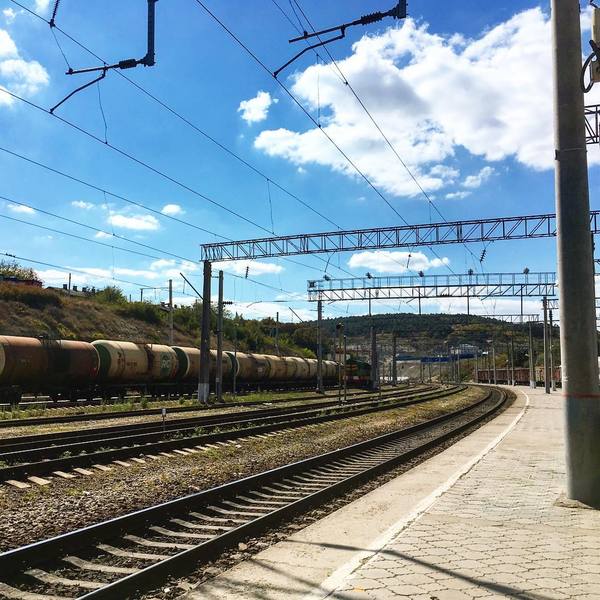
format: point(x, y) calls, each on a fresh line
point(203, 381)
point(320, 346)
point(494, 363)
point(512, 359)
point(219, 365)
point(550, 343)
point(394, 364)
point(546, 363)
point(345, 373)
point(374, 382)
point(532, 379)
point(575, 268)
point(170, 312)
point(277, 334)
point(340, 331)
point(476, 365)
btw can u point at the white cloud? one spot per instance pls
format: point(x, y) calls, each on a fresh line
point(101, 235)
point(457, 195)
point(475, 181)
point(83, 205)
point(8, 48)
point(432, 95)
point(172, 210)
point(238, 267)
point(163, 263)
point(386, 261)
point(18, 208)
point(41, 6)
point(136, 222)
point(256, 109)
point(9, 15)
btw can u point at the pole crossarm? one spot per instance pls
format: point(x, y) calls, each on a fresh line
point(414, 287)
point(401, 236)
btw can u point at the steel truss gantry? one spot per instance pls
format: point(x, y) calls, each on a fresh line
point(512, 319)
point(401, 236)
point(414, 287)
point(592, 124)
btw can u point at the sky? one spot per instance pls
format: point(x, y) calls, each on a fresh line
point(462, 90)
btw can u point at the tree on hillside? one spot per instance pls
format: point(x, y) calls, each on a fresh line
point(11, 268)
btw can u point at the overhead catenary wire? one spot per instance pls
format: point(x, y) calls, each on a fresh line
point(377, 126)
point(127, 200)
point(184, 119)
point(253, 55)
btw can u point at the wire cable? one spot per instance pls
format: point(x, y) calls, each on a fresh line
point(183, 118)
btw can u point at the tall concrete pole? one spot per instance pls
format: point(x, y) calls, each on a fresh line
point(494, 363)
point(204, 381)
point(170, 312)
point(575, 269)
point(546, 362)
point(320, 346)
point(551, 344)
point(532, 380)
point(345, 372)
point(394, 364)
point(277, 334)
point(512, 359)
point(219, 365)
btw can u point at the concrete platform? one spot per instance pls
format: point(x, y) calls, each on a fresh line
point(483, 519)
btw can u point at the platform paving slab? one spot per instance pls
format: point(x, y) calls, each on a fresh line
point(300, 564)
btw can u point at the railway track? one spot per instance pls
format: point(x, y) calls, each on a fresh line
point(35, 455)
point(56, 419)
point(123, 556)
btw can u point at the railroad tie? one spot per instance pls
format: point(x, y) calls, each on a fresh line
point(181, 534)
point(153, 544)
point(38, 480)
point(20, 485)
point(83, 471)
point(91, 566)
point(140, 461)
point(52, 579)
point(103, 467)
point(64, 475)
point(128, 554)
point(122, 463)
point(14, 594)
point(198, 515)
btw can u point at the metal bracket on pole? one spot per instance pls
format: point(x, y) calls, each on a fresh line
point(204, 381)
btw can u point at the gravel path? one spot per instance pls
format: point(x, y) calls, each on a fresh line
point(42, 512)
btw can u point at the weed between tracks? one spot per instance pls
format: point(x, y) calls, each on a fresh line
point(44, 512)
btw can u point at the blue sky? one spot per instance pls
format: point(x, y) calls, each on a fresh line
point(462, 89)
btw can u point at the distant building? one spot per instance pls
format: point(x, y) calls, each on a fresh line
point(19, 281)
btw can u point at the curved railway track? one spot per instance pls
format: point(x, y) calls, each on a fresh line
point(35, 455)
point(138, 551)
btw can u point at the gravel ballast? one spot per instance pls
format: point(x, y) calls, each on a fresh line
point(43, 512)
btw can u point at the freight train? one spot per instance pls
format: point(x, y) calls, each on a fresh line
point(66, 369)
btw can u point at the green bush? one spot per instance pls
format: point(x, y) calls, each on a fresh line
point(143, 311)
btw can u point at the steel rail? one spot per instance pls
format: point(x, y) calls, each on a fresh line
point(157, 411)
point(243, 508)
point(46, 463)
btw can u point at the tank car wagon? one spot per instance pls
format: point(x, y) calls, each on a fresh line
point(70, 369)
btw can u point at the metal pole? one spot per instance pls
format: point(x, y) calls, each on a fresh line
point(476, 365)
point(235, 365)
point(170, 312)
point(550, 344)
point(277, 334)
point(394, 364)
point(320, 346)
point(512, 359)
point(575, 270)
point(546, 361)
point(204, 379)
point(340, 329)
point(345, 374)
point(69, 284)
point(494, 362)
point(373, 358)
point(219, 365)
point(532, 380)
point(141, 294)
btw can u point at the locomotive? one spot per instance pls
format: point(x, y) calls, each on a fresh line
point(67, 369)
